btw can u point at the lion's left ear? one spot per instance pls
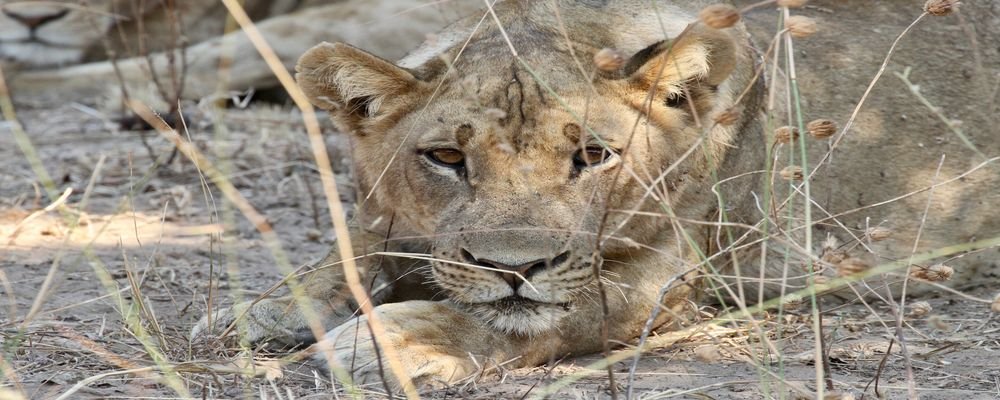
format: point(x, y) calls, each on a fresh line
point(700, 54)
point(353, 85)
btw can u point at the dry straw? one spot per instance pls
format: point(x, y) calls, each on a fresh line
point(719, 16)
point(793, 303)
point(791, 173)
point(786, 134)
point(833, 257)
point(800, 26)
point(852, 266)
point(792, 3)
point(878, 233)
point(821, 128)
point(941, 7)
point(934, 273)
point(920, 309)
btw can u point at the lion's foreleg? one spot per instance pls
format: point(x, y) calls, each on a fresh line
point(324, 299)
point(444, 343)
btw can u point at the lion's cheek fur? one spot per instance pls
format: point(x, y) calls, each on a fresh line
point(411, 197)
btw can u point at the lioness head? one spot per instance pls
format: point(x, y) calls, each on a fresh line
point(525, 173)
point(47, 33)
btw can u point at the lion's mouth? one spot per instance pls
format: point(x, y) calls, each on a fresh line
point(521, 315)
point(38, 42)
point(518, 302)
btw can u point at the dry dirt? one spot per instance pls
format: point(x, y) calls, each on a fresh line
point(147, 229)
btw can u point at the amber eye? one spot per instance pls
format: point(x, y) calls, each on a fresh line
point(591, 156)
point(450, 158)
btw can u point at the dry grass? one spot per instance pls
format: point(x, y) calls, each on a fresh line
point(105, 258)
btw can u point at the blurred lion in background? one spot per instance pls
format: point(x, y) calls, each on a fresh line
point(71, 49)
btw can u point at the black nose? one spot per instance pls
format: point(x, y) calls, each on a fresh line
point(516, 275)
point(34, 21)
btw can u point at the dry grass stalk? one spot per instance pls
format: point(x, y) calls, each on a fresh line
point(786, 134)
point(941, 7)
point(719, 16)
point(792, 3)
point(852, 266)
point(934, 273)
point(793, 303)
point(878, 233)
point(920, 309)
point(831, 254)
point(822, 128)
point(791, 173)
point(800, 26)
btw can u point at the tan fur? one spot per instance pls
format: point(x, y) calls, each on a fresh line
point(520, 200)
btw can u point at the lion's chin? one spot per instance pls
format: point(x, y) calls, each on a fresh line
point(521, 316)
point(38, 54)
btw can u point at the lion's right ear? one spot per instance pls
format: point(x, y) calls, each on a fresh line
point(353, 85)
point(698, 56)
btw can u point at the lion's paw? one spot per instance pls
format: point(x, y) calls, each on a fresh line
point(277, 322)
point(428, 358)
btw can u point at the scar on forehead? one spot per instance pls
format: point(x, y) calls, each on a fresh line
point(464, 133)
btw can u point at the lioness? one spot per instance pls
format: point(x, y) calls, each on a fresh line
point(45, 34)
point(59, 49)
point(532, 180)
